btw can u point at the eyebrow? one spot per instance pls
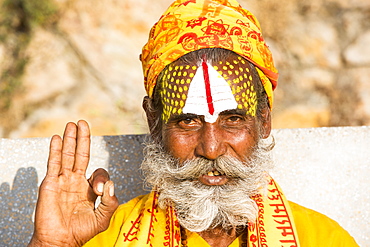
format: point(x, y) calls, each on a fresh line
point(234, 111)
point(178, 117)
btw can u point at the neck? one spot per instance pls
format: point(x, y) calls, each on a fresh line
point(219, 237)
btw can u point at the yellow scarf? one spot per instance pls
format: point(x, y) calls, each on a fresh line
point(147, 225)
point(190, 25)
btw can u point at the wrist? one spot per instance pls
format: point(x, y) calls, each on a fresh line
point(38, 243)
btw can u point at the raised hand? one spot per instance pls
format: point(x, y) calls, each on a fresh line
point(65, 211)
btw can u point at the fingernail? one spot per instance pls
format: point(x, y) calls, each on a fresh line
point(111, 190)
point(100, 187)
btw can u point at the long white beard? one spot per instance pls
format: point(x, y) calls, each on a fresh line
point(200, 207)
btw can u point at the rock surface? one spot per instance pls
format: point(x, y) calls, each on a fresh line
point(84, 64)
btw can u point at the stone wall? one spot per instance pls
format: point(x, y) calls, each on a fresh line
point(63, 60)
point(322, 52)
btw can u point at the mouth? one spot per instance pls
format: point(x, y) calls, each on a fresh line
point(213, 178)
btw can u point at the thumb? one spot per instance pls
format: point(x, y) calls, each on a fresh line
point(107, 206)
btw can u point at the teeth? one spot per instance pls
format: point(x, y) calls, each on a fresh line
point(214, 173)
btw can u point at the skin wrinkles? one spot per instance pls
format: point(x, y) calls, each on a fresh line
point(231, 135)
point(235, 134)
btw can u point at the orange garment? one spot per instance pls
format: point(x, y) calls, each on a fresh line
point(314, 230)
point(141, 223)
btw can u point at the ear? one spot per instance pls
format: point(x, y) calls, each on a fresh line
point(266, 123)
point(151, 117)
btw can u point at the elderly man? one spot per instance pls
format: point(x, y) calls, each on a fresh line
point(209, 77)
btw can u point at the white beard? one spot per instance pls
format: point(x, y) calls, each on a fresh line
point(200, 207)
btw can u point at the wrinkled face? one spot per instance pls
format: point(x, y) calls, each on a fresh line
point(207, 158)
point(209, 110)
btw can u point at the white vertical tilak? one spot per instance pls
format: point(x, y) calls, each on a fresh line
point(223, 98)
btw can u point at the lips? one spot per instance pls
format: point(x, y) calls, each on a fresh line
point(213, 178)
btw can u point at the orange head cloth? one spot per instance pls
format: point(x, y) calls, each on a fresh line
point(190, 25)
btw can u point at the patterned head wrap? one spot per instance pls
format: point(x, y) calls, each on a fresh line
point(190, 25)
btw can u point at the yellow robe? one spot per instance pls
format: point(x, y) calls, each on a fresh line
point(141, 223)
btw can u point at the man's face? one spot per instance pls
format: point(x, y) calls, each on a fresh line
point(234, 134)
point(194, 126)
point(209, 163)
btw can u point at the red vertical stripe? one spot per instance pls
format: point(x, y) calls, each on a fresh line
point(207, 83)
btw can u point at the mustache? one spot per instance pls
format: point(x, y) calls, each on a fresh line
point(225, 165)
point(199, 206)
point(160, 168)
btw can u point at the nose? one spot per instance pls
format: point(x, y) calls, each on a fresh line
point(211, 144)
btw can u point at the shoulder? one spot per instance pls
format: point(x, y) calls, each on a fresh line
point(316, 229)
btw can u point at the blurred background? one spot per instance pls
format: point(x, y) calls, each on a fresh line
point(65, 60)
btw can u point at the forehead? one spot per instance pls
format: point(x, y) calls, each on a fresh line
point(208, 87)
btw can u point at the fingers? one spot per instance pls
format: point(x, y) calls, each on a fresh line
point(97, 181)
point(107, 206)
point(83, 147)
point(69, 147)
point(55, 157)
point(108, 199)
point(75, 153)
point(102, 186)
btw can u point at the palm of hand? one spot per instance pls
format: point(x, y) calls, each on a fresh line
point(64, 208)
point(66, 213)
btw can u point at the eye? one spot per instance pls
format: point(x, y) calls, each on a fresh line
point(189, 122)
point(234, 119)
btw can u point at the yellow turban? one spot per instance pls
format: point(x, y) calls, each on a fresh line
point(190, 25)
